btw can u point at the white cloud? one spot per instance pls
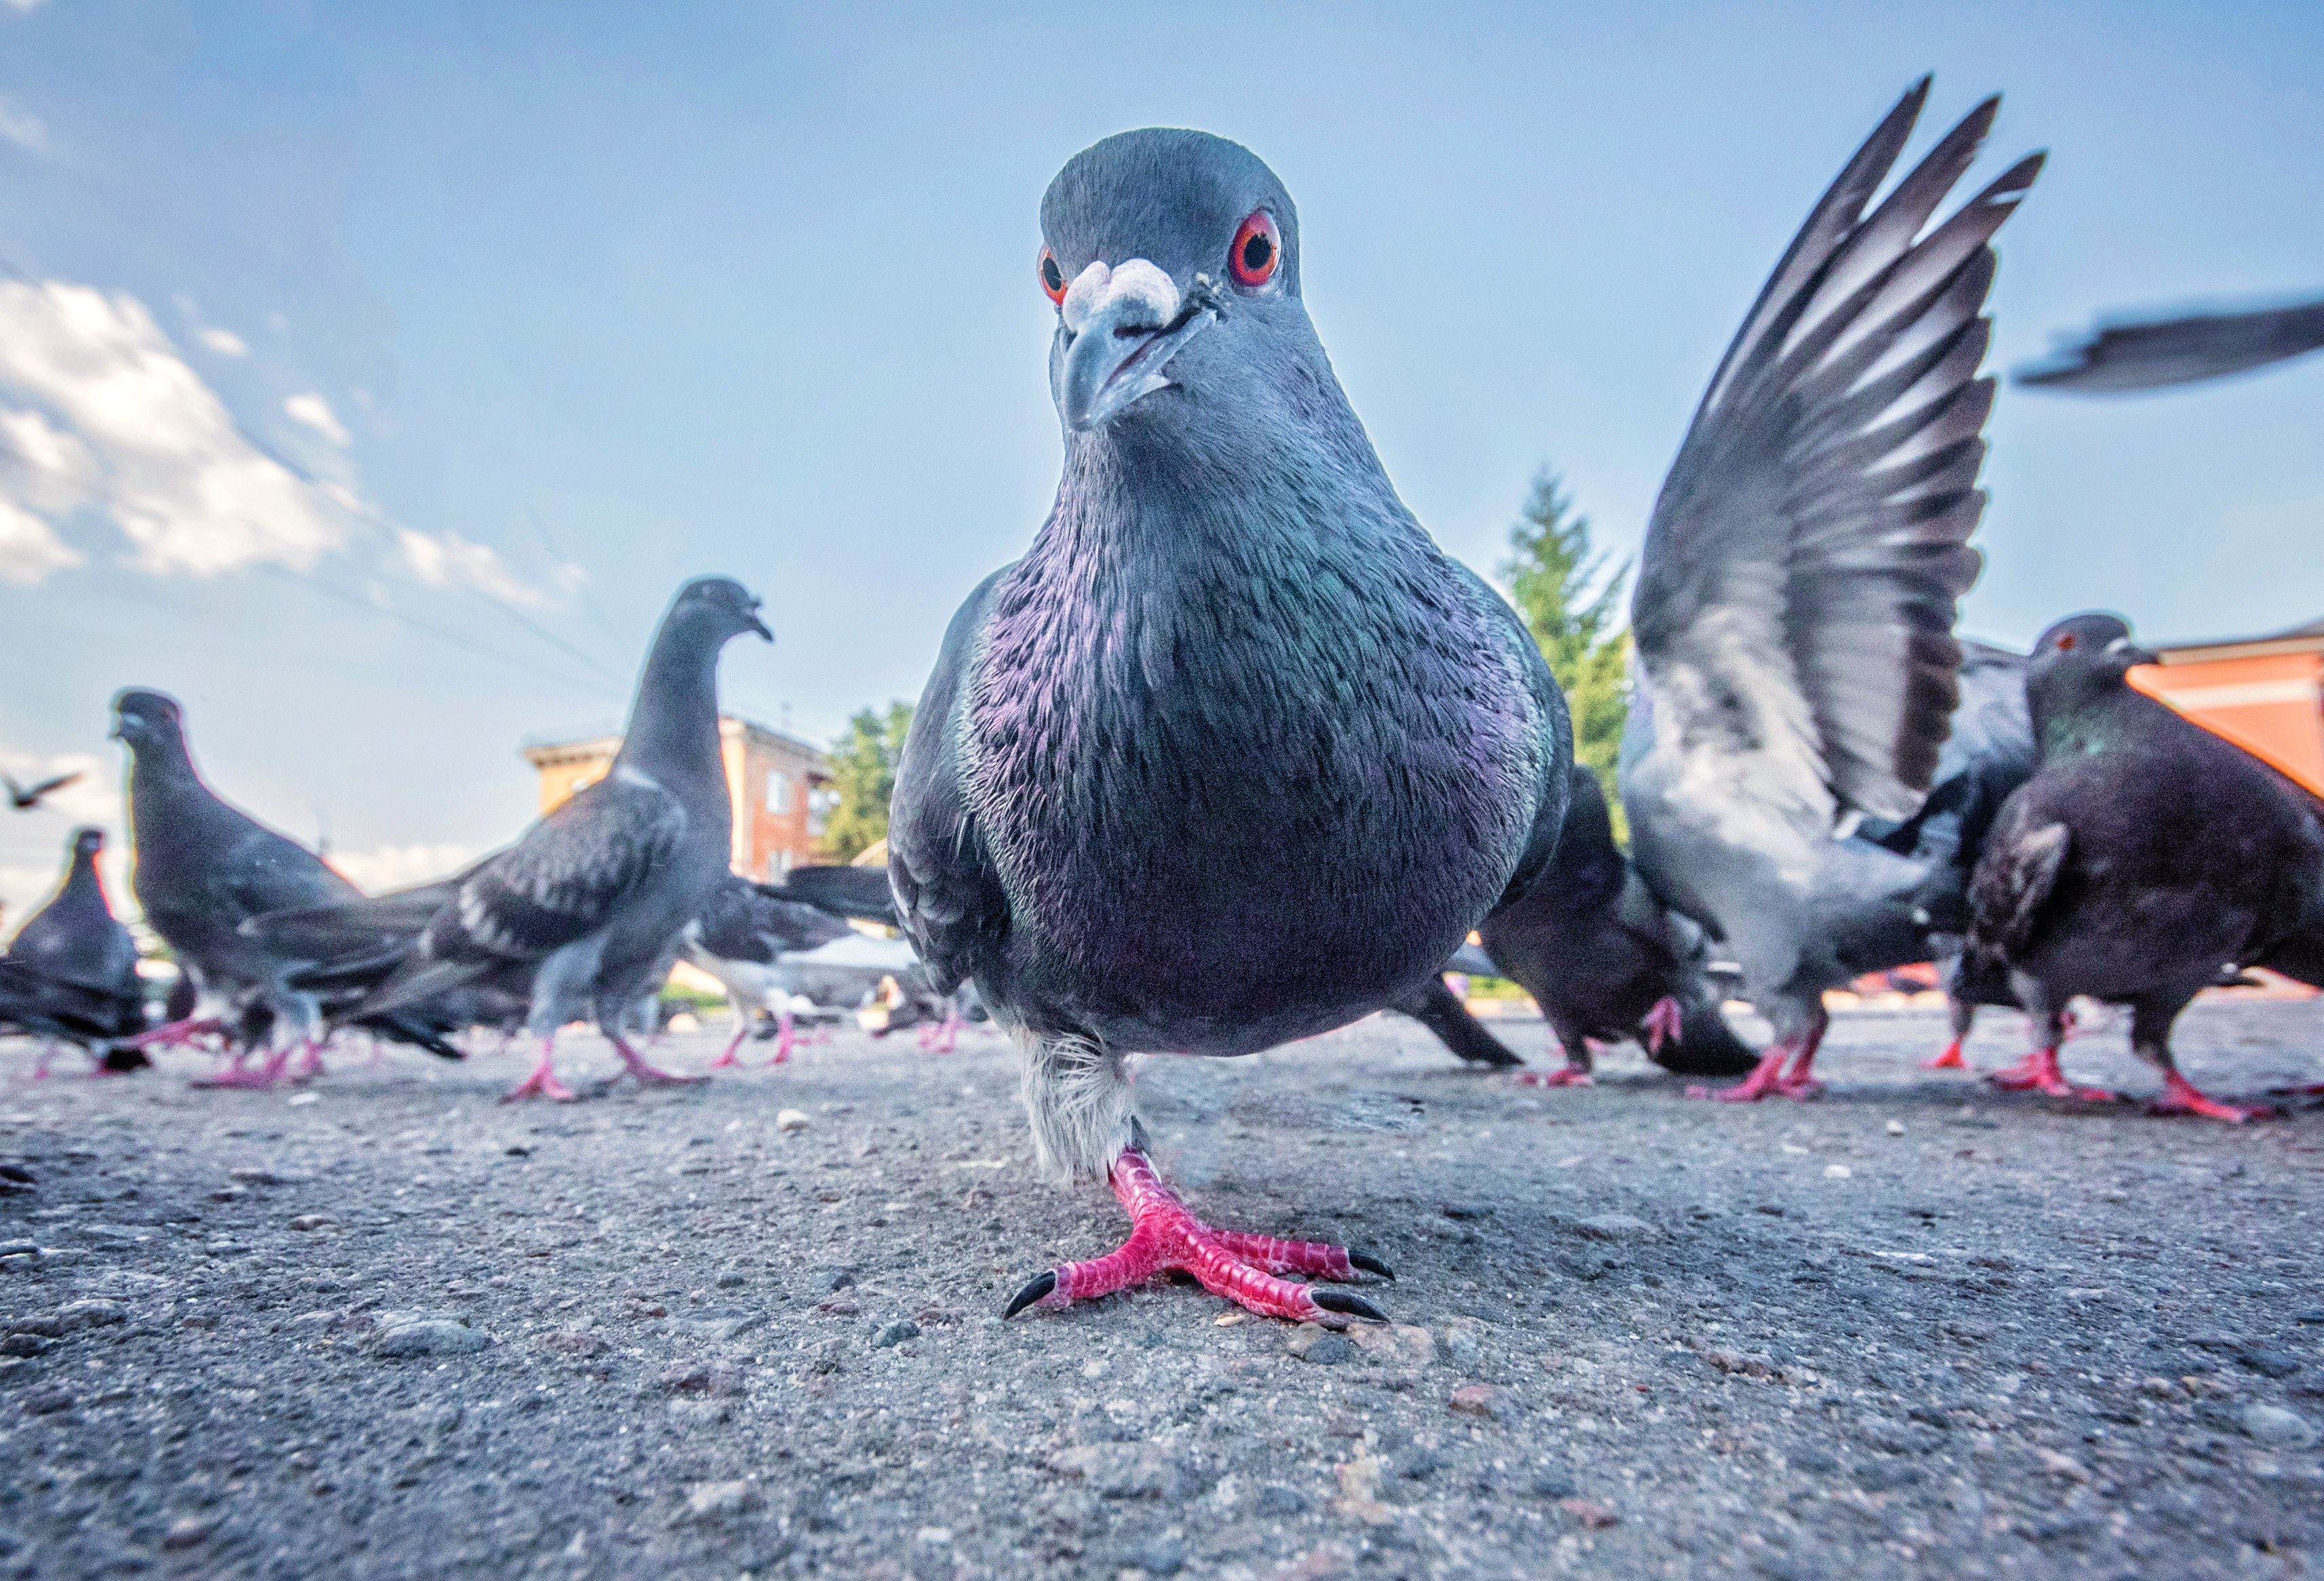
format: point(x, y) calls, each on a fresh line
point(24, 5)
point(399, 867)
point(20, 126)
point(313, 411)
point(448, 560)
point(225, 341)
point(29, 548)
point(163, 459)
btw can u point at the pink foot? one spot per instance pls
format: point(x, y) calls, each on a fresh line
point(2039, 1073)
point(944, 1037)
point(175, 1033)
point(1241, 1267)
point(1769, 1077)
point(786, 1039)
point(1950, 1060)
point(542, 1082)
point(310, 1063)
point(1666, 1020)
point(727, 1060)
point(2178, 1097)
point(1566, 1075)
point(649, 1075)
point(241, 1075)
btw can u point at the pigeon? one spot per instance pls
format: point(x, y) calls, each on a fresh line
point(202, 868)
point(2157, 353)
point(1606, 961)
point(1797, 590)
point(1234, 754)
point(2144, 858)
point(25, 798)
point(588, 910)
point(1439, 1010)
point(71, 970)
point(742, 936)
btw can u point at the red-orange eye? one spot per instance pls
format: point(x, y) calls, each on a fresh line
point(1053, 279)
point(2065, 640)
point(1257, 249)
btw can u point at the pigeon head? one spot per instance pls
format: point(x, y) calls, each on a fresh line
point(1173, 258)
point(716, 607)
point(88, 842)
point(147, 719)
point(2080, 659)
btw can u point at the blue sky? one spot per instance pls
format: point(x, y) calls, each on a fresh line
point(386, 367)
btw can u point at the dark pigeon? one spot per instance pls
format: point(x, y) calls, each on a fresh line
point(1797, 670)
point(1235, 754)
point(2131, 354)
point(25, 797)
point(742, 936)
point(1439, 1010)
point(2144, 857)
point(588, 910)
point(1606, 961)
point(71, 970)
point(202, 868)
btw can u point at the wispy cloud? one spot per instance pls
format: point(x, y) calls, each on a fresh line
point(20, 126)
point(448, 560)
point(313, 411)
point(29, 548)
point(165, 460)
point(225, 341)
point(399, 867)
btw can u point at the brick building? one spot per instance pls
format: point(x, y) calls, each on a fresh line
point(778, 783)
point(2264, 694)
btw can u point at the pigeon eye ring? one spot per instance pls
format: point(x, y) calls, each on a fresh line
point(1257, 251)
point(1053, 279)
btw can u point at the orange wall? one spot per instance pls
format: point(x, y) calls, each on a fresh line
point(2272, 705)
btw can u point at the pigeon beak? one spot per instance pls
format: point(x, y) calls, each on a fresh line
point(759, 626)
point(1122, 325)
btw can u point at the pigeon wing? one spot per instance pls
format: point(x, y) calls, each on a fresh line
point(569, 875)
point(949, 899)
point(2157, 353)
point(2014, 878)
point(1797, 590)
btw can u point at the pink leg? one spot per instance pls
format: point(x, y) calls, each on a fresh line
point(2178, 1097)
point(310, 1061)
point(1950, 1060)
point(942, 1037)
point(785, 1038)
point(1241, 1267)
point(240, 1075)
point(2039, 1073)
point(175, 1033)
point(1572, 1073)
point(1770, 1077)
point(726, 1059)
point(647, 1075)
point(1666, 1020)
point(543, 1081)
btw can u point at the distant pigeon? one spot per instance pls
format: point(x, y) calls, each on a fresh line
point(587, 911)
point(1606, 961)
point(1439, 1010)
point(2157, 353)
point(1235, 754)
point(742, 936)
point(203, 869)
point(71, 970)
point(25, 798)
point(1797, 591)
point(2145, 858)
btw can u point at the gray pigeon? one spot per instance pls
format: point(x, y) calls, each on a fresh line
point(202, 868)
point(71, 970)
point(589, 908)
point(2145, 858)
point(1796, 597)
point(2132, 355)
point(746, 935)
point(1235, 754)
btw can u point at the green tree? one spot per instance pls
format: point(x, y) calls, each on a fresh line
point(1572, 600)
point(864, 777)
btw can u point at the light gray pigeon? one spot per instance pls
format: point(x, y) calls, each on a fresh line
point(202, 868)
point(1796, 597)
point(589, 908)
point(2132, 354)
point(1234, 754)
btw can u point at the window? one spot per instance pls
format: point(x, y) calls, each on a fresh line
point(778, 865)
point(778, 792)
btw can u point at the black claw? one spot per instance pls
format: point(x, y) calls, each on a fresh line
point(1354, 1306)
point(1039, 1285)
point(1370, 1264)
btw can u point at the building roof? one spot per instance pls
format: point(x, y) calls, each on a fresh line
point(601, 740)
point(2307, 639)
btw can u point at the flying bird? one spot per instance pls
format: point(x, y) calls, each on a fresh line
point(202, 868)
point(25, 798)
point(2136, 354)
point(2145, 858)
point(1234, 754)
point(586, 912)
point(1797, 591)
point(70, 972)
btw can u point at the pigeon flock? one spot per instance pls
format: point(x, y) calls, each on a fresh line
point(1235, 755)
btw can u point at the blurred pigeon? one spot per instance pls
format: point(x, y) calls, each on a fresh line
point(1439, 1010)
point(1796, 595)
point(25, 798)
point(203, 869)
point(1235, 754)
point(71, 970)
point(1606, 961)
point(2144, 857)
point(742, 936)
point(587, 911)
point(2156, 353)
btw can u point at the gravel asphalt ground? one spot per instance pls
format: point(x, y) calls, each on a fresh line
point(384, 1325)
